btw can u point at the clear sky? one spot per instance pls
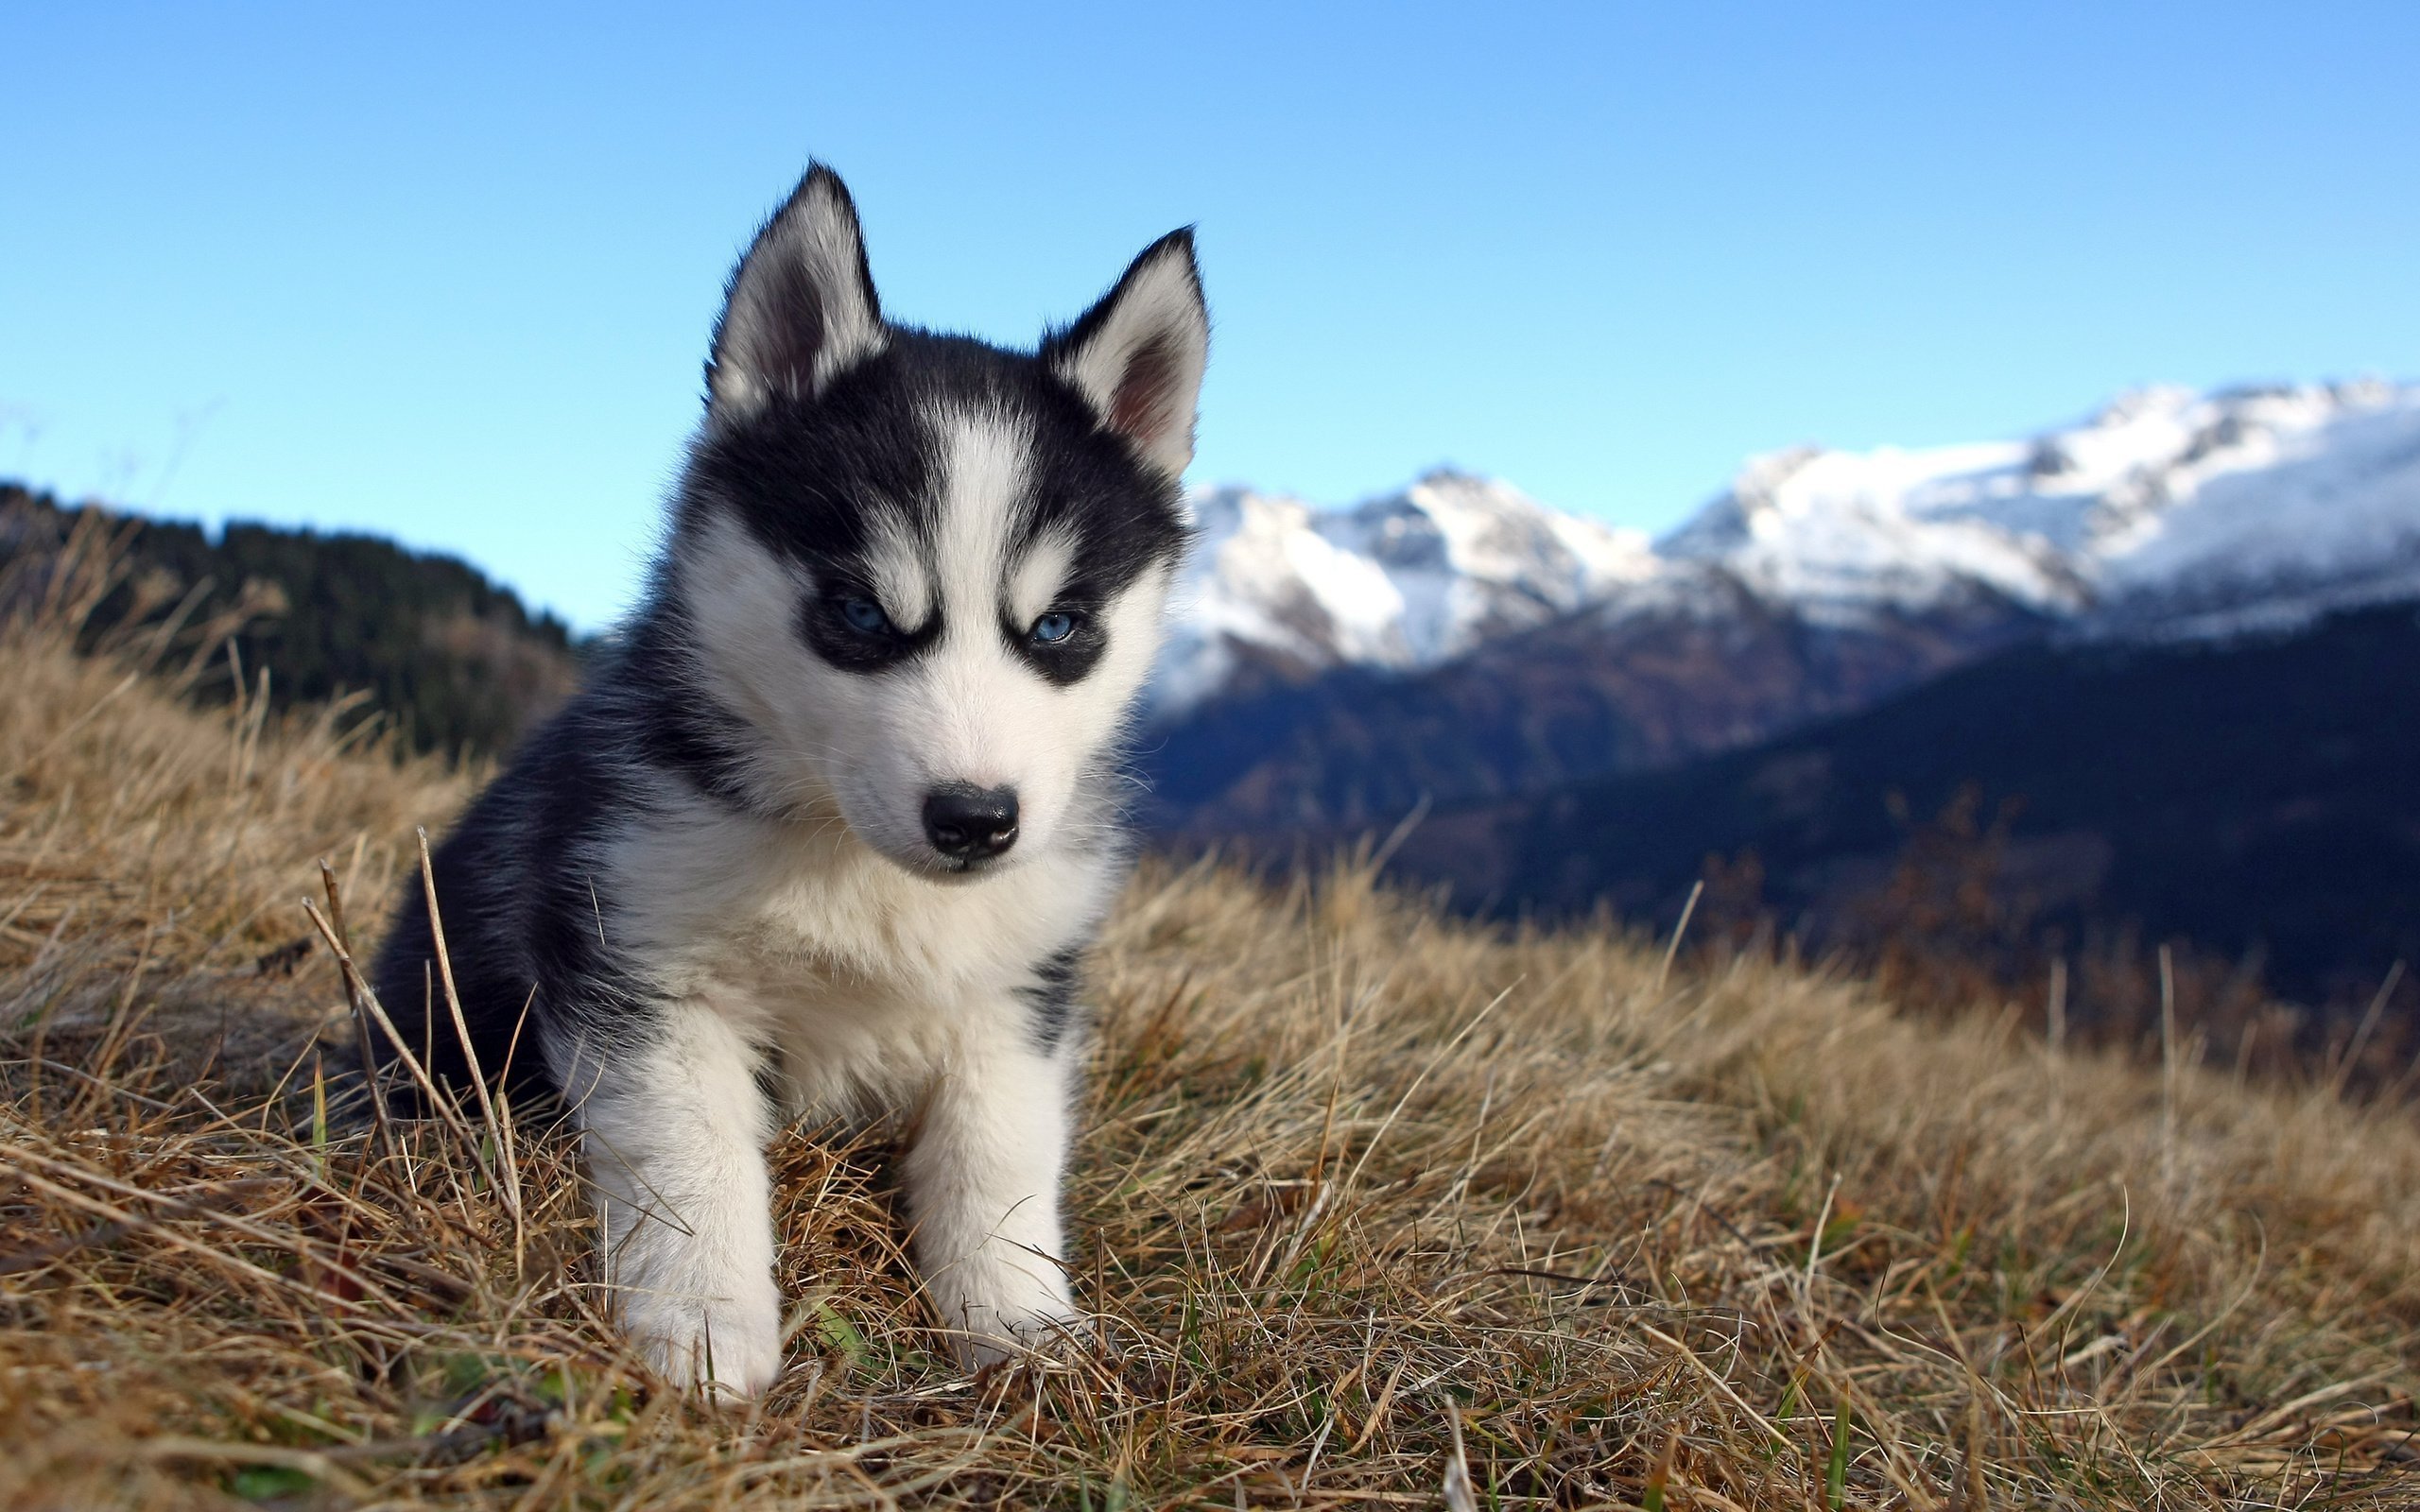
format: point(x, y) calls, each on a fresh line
point(447, 273)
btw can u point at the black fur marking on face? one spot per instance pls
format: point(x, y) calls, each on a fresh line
point(1052, 997)
point(1063, 662)
point(817, 480)
point(1123, 517)
point(824, 482)
point(825, 624)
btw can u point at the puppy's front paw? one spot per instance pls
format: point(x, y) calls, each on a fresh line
point(994, 1312)
point(734, 1347)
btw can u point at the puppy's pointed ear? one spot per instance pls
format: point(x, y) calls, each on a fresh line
point(800, 307)
point(1137, 356)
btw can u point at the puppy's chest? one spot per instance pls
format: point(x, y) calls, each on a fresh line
point(829, 953)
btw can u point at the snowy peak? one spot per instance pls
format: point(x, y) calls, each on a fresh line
point(2168, 512)
point(2283, 503)
point(2163, 499)
point(1470, 557)
point(1837, 533)
point(1401, 581)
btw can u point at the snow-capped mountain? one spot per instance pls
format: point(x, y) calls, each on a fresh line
point(1547, 716)
point(2167, 509)
point(1399, 582)
point(2169, 512)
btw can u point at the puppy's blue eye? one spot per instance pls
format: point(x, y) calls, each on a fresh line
point(1053, 628)
point(865, 616)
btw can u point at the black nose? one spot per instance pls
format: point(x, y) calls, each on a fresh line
point(970, 823)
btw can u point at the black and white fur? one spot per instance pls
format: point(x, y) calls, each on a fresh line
point(828, 832)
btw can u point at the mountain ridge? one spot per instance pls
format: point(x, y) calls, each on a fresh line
point(1819, 583)
point(2158, 513)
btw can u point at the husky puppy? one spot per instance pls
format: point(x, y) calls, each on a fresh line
point(829, 830)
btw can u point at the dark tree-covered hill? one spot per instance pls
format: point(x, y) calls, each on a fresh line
point(454, 659)
point(2259, 798)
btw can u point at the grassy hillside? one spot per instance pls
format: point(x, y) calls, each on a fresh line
point(1376, 1208)
point(455, 660)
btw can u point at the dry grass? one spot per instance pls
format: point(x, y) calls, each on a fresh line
point(1377, 1208)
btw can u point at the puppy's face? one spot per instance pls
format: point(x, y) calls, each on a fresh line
point(930, 573)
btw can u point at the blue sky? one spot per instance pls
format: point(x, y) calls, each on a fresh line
point(446, 272)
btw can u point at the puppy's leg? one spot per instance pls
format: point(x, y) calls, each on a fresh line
point(675, 1137)
point(982, 1186)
